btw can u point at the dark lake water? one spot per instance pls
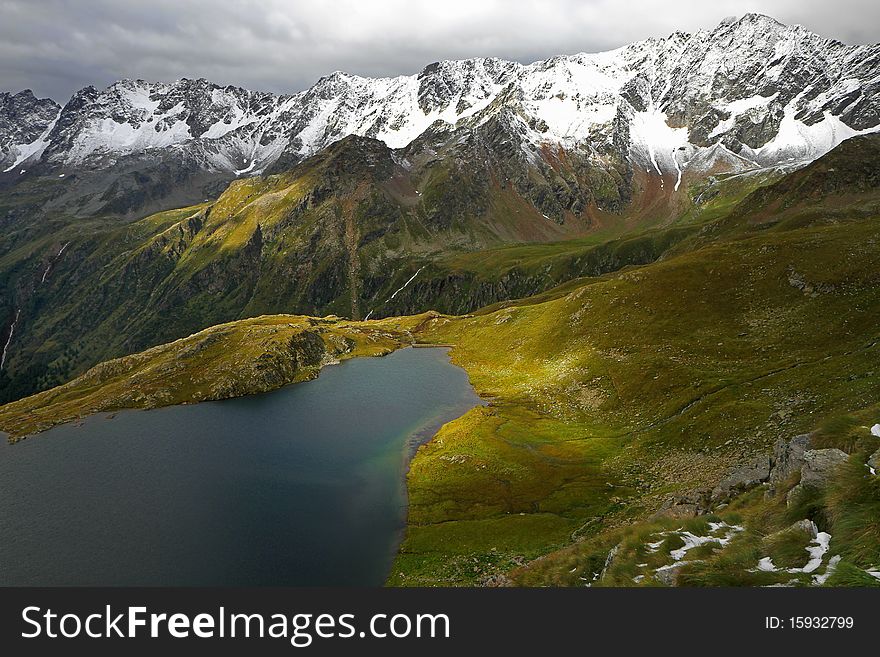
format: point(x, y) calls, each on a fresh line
point(300, 486)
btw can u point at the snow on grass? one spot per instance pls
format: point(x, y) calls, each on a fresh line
point(875, 430)
point(692, 540)
point(817, 549)
point(766, 565)
point(819, 580)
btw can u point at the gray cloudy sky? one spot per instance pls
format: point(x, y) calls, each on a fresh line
point(57, 46)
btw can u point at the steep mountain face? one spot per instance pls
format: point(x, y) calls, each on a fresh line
point(750, 93)
point(375, 197)
point(25, 123)
point(355, 230)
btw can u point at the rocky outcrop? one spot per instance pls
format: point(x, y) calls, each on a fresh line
point(743, 478)
point(668, 575)
point(24, 119)
point(819, 466)
point(788, 458)
point(874, 461)
point(816, 468)
point(686, 505)
point(804, 526)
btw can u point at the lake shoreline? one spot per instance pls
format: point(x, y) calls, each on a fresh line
point(262, 490)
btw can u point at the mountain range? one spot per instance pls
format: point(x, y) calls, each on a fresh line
point(658, 264)
point(146, 211)
point(750, 93)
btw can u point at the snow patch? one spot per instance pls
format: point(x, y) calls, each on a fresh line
point(35, 148)
point(797, 141)
point(411, 279)
point(737, 107)
point(650, 130)
point(819, 580)
point(9, 339)
point(53, 261)
point(247, 169)
point(692, 540)
point(766, 565)
point(817, 550)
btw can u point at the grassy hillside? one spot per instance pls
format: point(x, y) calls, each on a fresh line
point(606, 398)
point(343, 233)
point(627, 388)
point(758, 539)
point(609, 395)
point(229, 360)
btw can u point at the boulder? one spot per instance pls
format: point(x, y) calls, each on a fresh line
point(788, 458)
point(874, 461)
point(688, 504)
point(668, 575)
point(801, 526)
point(820, 465)
point(752, 474)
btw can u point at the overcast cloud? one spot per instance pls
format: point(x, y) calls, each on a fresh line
point(57, 46)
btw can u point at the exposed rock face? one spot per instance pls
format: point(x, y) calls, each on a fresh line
point(788, 458)
point(668, 575)
point(805, 526)
point(820, 465)
point(686, 505)
point(874, 461)
point(24, 121)
point(818, 468)
point(743, 478)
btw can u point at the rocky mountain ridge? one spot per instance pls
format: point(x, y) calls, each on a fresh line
point(749, 93)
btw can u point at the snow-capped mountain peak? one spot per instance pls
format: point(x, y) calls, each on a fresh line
point(750, 92)
point(25, 122)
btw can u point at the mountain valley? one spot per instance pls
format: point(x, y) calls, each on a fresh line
point(658, 265)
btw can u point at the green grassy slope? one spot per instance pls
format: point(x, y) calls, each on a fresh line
point(625, 389)
point(766, 528)
point(340, 233)
point(609, 394)
point(230, 360)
